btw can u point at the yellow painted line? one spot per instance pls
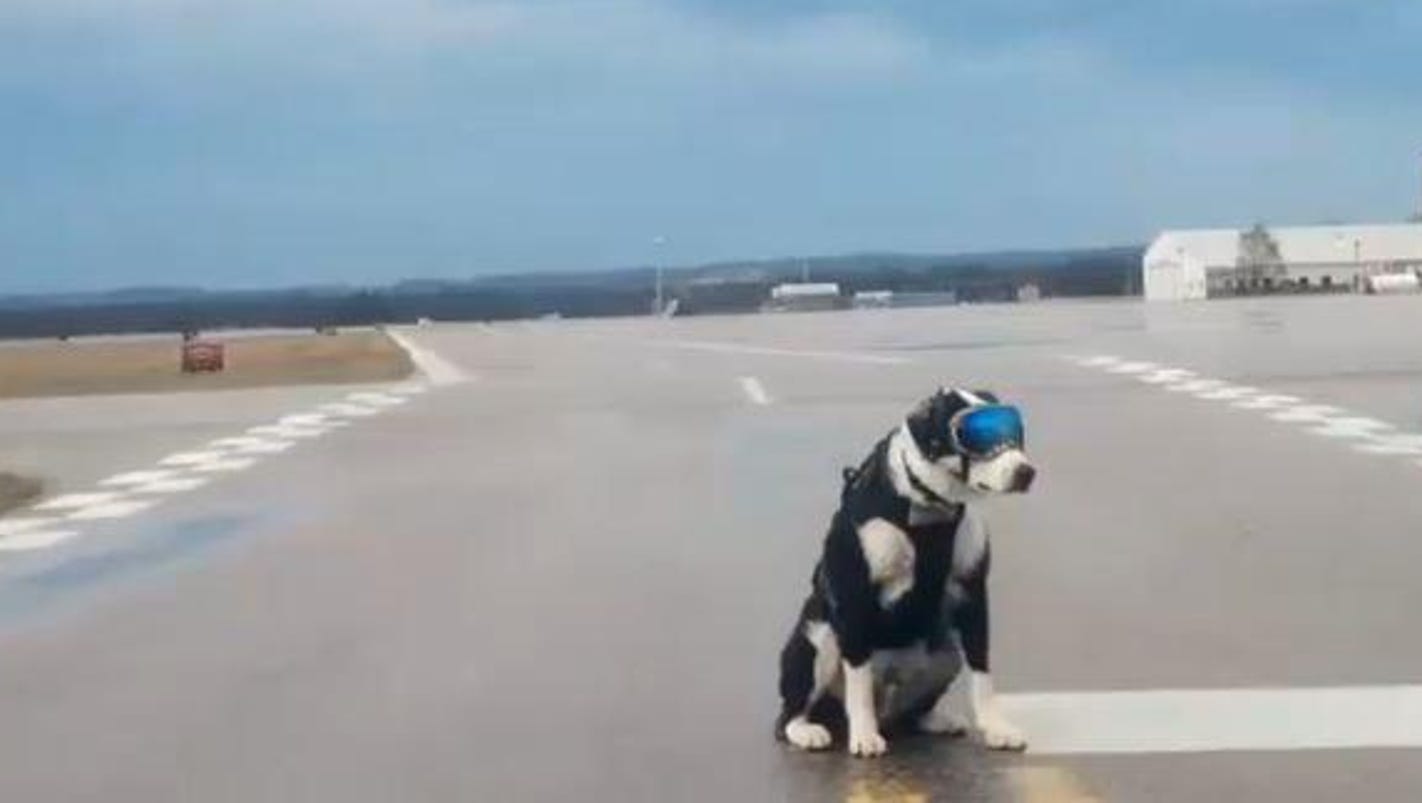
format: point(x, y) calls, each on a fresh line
point(1044, 784)
point(886, 790)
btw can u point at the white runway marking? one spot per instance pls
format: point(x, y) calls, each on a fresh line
point(74, 501)
point(1167, 375)
point(172, 486)
point(1350, 427)
point(180, 472)
point(228, 464)
point(1392, 444)
point(10, 527)
point(1306, 413)
point(1370, 435)
point(191, 458)
point(377, 399)
point(1209, 720)
point(436, 369)
point(1266, 402)
point(1132, 367)
point(40, 539)
point(754, 390)
point(287, 431)
point(348, 409)
point(138, 477)
point(110, 510)
point(1227, 393)
point(264, 447)
point(768, 351)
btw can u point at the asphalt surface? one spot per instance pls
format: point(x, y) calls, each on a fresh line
point(569, 577)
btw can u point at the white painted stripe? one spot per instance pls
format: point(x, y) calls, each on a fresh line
point(436, 369)
point(1193, 721)
point(264, 447)
point(286, 431)
point(1350, 427)
point(138, 477)
point(1267, 402)
point(377, 399)
point(754, 390)
point(1100, 361)
point(1197, 385)
point(348, 409)
point(176, 485)
point(1227, 393)
point(767, 351)
point(111, 510)
point(1306, 413)
point(192, 458)
point(227, 464)
point(1132, 367)
point(303, 420)
point(1400, 443)
point(1166, 375)
point(74, 501)
point(40, 539)
point(236, 443)
point(24, 525)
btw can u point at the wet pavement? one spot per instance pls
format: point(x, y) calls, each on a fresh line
point(569, 578)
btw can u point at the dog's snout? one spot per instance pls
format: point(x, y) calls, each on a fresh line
point(1022, 478)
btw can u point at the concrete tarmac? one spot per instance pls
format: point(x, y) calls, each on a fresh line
point(569, 577)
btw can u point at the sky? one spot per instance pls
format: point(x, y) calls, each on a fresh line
point(248, 143)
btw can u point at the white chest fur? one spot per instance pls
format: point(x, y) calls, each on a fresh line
point(890, 555)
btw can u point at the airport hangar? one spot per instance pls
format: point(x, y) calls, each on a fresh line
point(1200, 263)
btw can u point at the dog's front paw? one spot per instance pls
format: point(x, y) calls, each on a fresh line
point(807, 735)
point(998, 733)
point(866, 743)
point(944, 723)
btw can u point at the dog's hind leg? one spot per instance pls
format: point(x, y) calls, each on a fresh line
point(809, 665)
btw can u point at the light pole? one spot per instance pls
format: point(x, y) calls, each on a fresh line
point(657, 243)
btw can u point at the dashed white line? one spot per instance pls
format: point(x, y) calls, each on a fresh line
point(138, 477)
point(10, 527)
point(39, 539)
point(137, 491)
point(74, 501)
point(1227, 393)
point(172, 486)
point(1306, 413)
point(227, 464)
point(754, 390)
point(1371, 435)
point(111, 510)
point(1167, 375)
point(1267, 402)
point(191, 458)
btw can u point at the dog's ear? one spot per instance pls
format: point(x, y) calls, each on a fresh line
point(929, 422)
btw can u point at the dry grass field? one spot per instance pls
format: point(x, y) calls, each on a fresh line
point(151, 365)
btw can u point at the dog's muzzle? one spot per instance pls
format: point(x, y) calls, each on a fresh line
point(1022, 479)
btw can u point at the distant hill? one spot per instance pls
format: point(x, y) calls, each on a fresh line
point(722, 287)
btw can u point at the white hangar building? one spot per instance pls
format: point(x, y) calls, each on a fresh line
point(1197, 263)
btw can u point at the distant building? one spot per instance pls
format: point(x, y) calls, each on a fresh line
point(872, 299)
point(1200, 263)
point(804, 296)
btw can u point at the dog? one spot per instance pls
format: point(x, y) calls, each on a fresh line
point(894, 634)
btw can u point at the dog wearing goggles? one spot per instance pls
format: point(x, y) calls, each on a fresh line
point(894, 634)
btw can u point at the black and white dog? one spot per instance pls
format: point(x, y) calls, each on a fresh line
point(899, 596)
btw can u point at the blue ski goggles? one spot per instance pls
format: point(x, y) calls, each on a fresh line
point(987, 430)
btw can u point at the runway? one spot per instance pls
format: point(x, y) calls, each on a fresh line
point(563, 567)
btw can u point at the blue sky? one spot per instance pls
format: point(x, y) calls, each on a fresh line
point(240, 143)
